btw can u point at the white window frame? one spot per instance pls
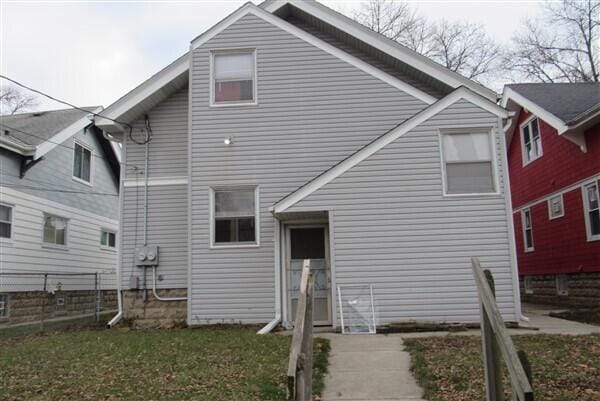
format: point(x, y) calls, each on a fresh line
point(524, 229)
point(6, 305)
point(586, 208)
point(469, 130)
point(67, 230)
point(212, 243)
point(254, 101)
point(552, 216)
point(525, 123)
point(562, 280)
point(91, 149)
point(108, 247)
point(11, 222)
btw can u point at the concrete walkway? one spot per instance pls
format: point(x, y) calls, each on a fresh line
point(369, 368)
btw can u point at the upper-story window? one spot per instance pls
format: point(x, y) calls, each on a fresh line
point(234, 214)
point(233, 77)
point(531, 140)
point(556, 207)
point(82, 163)
point(468, 163)
point(591, 203)
point(6, 217)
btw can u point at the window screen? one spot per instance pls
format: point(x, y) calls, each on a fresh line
point(233, 77)
point(55, 230)
point(234, 215)
point(5, 221)
point(468, 163)
point(82, 162)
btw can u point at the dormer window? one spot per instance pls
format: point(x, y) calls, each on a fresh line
point(531, 140)
point(233, 78)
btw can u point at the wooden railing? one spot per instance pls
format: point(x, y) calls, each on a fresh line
point(301, 354)
point(498, 346)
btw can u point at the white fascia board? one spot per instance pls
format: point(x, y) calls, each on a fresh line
point(379, 42)
point(386, 139)
point(65, 134)
point(154, 182)
point(557, 123)
point(142, 92)
point(250, 8)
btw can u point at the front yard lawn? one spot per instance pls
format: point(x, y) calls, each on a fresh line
point(185, 364)
point(565, 368)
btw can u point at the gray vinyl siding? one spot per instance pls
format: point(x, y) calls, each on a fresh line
point(167, 204)
point(313, 110)
point(55, 174)
point(395, 230)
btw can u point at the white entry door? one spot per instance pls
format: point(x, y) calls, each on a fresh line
point(312, 243)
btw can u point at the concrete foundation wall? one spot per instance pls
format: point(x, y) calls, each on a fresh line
point(583, 290)
point(152, 312)
point(33, 306)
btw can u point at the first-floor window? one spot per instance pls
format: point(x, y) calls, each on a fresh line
point(6, 213)
point(556, 207)
point(468, 162)
point(3, 306)
point(55, 230)
point(234, 214)
point(527, 229)
point(108, 239)
point(592, 210)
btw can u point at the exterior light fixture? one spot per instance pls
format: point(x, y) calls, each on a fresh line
point(228, 140)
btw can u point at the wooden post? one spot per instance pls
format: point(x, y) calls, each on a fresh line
point(491, 357)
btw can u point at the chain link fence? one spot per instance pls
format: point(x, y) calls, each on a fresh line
point(43, 301)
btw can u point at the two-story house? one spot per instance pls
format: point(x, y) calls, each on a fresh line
point(289, 132)
point(554, 164)
point(59, 200)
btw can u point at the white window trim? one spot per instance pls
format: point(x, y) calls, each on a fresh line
point(212, 244)
point(562, 207)
point(586, 209)
point(106, 247)
point(523, 212)
point(50, 245)
point(469, 130)
point(254, 80)
point(523, 151)
point(6, 307)
point(12, 223)
point(91, 149)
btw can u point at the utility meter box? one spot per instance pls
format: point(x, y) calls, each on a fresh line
point(146, 256)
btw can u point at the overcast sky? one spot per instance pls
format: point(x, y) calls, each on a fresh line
point(93, 53)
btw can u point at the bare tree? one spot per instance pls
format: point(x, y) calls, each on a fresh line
point(560, 45)
point(14, 100)
point(460, 46)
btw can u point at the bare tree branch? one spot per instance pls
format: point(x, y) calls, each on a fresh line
point(14, 100)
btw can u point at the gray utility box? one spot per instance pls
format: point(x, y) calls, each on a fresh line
point(146, 256)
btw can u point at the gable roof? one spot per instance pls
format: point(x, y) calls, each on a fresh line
point(384, 140)
point(175, 76)
point(570, 108)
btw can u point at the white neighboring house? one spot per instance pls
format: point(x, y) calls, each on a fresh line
point(59, 204)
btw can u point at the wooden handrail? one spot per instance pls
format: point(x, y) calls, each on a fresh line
point(496, 338)
point(299, 374)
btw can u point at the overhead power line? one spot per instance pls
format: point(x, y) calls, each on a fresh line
point(65, 103)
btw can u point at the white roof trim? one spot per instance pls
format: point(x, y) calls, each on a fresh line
point(557, 123)
point(386, 139)
point(143, 91)
point(392, 48)
point(250, 8)
point(25, 150)
point(63, 135)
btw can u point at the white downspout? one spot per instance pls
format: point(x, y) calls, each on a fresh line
point(273, 323)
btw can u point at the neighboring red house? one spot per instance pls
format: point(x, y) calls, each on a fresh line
point(554, 167)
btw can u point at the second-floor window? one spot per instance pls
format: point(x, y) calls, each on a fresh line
point(234, 78)
point(531, 140)
point(82, 163)
point(591, 203)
